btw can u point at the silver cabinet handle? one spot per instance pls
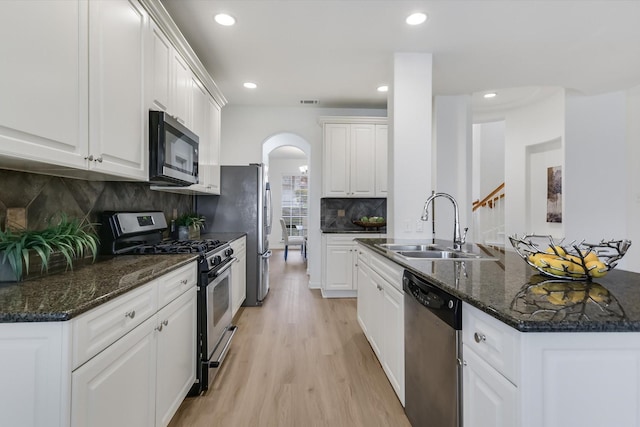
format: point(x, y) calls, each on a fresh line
point(165, 322)
point(159, 327)
point(184, 281)
point(89, 157)
point(479, 337)
point(99, 159)
point(130, 314)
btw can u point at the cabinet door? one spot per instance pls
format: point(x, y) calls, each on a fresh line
point(117, 387)
point(339, 271)
point(43, 101)
point(180, 89)
point(117, 109)
point(159, 69)
point(376, 314)
point(393, 338)
point(362, 164)
point(489, 399)
point(336, 166)
point(381, 161)
point(213, 160)
point(239, 274)
point(176, 367)
point(35, 370)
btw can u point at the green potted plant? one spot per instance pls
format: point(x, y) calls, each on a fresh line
point(189, 225)
point(68, 238)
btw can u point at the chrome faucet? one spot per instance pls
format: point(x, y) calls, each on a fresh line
point(458, 239)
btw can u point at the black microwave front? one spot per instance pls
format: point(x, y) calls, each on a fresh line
point(173, 151)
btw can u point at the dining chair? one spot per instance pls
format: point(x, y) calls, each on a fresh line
point(291, 240)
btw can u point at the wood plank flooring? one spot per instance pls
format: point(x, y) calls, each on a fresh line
point(299, 360)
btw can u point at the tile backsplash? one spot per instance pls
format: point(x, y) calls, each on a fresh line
point(44, 196)
point(338, 214)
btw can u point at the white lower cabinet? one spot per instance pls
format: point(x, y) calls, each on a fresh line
point(534, 379)
point(239, 274)
point(117, 387)
point(489, 398)
point(381, 313)
point(128, 362)
point(339, 257)
point(145, 375)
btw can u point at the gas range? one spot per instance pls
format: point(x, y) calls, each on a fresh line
point(141, 233)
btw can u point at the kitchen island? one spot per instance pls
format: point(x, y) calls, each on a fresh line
point(538, 352)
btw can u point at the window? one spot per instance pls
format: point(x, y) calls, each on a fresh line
point(295, 203)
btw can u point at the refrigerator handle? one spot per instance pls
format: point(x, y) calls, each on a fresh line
point(269, 207)
point(267, 254)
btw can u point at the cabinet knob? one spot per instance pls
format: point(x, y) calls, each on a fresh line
point(159, 327)
point(89, 157)
point(479, 337)
point(99, 159)
point(130, 314)
point(165, 322)
point(184, 281)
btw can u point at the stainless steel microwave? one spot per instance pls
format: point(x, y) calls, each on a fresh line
point(173, 151)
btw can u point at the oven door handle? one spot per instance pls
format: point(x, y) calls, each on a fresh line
point(216, 363)
point(227, 266)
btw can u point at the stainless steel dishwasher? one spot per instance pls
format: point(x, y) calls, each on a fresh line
point(432, 342)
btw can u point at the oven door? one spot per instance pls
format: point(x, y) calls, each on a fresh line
point(217, 331)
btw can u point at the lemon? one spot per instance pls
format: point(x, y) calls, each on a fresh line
point(559, 250)
point(596, 269)
point(560, 266)
point(591, 256)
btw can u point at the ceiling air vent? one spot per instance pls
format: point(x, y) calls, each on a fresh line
point(308, 101)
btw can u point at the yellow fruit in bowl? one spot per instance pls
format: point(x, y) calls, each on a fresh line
point(539, 259)
point(559, 250)
point(559, 266)
point(589, 257)
point(596, 269)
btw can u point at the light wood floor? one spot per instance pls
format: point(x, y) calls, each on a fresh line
point(299, 360)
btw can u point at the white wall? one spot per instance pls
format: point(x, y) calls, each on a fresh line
point(596, 175)
point(488, 153)
point(277, 168)
point(525, 127)
point(632, 259)
point(245, 128)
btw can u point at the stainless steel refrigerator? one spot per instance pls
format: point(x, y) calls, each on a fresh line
point(244, 205)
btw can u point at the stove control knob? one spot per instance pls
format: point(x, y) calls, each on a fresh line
point(228, 252)
point(217, 260)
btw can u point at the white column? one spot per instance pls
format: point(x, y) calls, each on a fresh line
point(453, 162)
point(410, 155)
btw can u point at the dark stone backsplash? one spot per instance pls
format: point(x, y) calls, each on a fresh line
point(354, 209)
point(45, 196)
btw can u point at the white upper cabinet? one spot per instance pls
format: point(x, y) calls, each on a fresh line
point(118, 123)
point(159, 69)
point(354, 157)
point(180, 95)
point(43, 106)
point(72, 88)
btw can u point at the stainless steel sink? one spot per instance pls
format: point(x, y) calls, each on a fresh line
point(431, 252)
point(400, 247)
point(439, 254)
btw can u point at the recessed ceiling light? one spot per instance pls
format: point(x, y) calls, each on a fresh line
point(490, 95)
point(416, 18)
point(250, 85)
point(225, 19)
point(383, 88)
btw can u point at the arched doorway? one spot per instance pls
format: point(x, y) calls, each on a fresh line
point(287, 157)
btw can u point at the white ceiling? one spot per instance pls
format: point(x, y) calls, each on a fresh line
point(339, 51)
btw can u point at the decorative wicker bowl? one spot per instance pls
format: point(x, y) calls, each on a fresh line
point(370, 224)
point(572, 261)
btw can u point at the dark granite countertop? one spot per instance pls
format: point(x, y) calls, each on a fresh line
point(62, 296)
point(513, 292)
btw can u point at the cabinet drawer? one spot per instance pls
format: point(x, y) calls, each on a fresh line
point(175, 283)
point(496, 343)
point(364, 255)
point(239, 245)
point(96, 329)
point(388, 270)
